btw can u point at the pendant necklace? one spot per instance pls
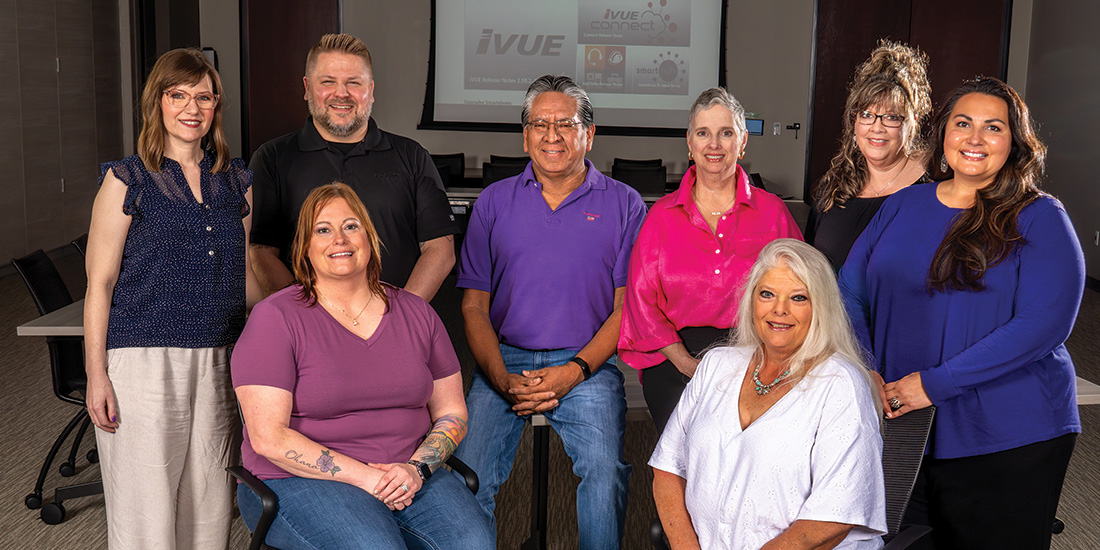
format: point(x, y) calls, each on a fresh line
point(354, 320)
point(890, 183)
point(762, 389)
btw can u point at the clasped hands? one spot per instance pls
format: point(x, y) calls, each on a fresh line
point(537, 391)
point(397, 485)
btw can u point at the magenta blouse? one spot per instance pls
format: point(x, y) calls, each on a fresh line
point(683, 275)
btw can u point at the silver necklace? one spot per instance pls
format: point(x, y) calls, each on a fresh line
point(713, 213)
point(354, 320)
point(890, 183)
point(763, 389)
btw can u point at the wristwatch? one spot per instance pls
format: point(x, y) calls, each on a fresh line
point(424, 470)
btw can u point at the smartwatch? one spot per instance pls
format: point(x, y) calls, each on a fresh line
point(423, 469)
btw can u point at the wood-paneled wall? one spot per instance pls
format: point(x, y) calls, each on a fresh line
point(61, 100)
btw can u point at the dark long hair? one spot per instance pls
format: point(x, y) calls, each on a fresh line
point(983, 235)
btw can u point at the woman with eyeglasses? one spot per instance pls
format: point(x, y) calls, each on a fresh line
point(167, 283)
point(692, 253)
point(882, 149)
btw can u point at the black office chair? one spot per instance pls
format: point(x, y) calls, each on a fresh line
point(648, 180)
point(904, 440)
point(500, 159)
point(636, 162)
point(451, 167)
point(48, 290)
point(493, 172)
point(81, 245)
point(757, 180)
point(269, 501)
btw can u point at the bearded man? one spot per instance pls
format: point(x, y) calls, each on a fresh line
point(393, 175)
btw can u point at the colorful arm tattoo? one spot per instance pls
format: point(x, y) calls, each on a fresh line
point(441, 442)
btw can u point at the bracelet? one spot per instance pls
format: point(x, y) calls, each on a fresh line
point(585, 369)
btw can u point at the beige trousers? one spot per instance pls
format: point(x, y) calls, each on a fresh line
point(164, 479)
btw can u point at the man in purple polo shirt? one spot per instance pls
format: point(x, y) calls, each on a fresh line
point(544, 267)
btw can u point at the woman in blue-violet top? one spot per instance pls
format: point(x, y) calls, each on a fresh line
point(167, 280)
point(965, 291)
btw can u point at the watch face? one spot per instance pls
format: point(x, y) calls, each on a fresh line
point(425, 471)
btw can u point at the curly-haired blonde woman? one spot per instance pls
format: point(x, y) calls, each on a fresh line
point(882, 149)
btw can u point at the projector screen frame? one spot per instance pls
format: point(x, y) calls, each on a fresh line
point(427, 116)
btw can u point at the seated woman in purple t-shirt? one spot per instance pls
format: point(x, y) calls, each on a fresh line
point(352, 399)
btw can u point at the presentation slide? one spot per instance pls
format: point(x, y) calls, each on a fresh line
point(642, 61)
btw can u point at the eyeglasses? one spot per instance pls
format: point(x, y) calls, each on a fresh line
point(562, 126)
point(180, 99)
point(889, 121)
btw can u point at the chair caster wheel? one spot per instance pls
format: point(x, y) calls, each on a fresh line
point(93, 456)
point(67, 469)
point(33, 501)
point(52, 513)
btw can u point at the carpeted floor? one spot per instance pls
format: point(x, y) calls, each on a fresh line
point(31, 417)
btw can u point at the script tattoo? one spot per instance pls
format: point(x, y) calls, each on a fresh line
point(324, 462)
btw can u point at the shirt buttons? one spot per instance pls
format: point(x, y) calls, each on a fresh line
point(717, 271)
point(208, 228)
point(723, 217)
point(717, 250)
point(211, 252)
point(206, 206)
point(720, 235)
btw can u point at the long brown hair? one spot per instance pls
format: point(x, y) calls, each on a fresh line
point(181, 66)
point(317, 200)
point(896, 75)
point(983, 235)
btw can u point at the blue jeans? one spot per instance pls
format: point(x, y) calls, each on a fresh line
point(321, 514)
point(590, 420)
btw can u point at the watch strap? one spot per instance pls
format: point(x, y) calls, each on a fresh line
point(586, 369)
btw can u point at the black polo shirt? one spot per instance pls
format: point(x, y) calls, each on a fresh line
point(393, 175)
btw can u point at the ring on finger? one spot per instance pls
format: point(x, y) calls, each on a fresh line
point(404, 487)
point(894, 403)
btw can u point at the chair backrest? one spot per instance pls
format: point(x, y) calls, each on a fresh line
point(492, 172)
point(904, 440)
point(81, 245)
point(451, 167)
point(636, 162)
point(757, 180)
point(648, 180)
point(46, 285)
point(48, 290)
point(498, 159)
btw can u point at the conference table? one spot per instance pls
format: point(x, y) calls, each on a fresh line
point(69, 321)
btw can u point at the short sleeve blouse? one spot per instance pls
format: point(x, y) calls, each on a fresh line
point(181, 280)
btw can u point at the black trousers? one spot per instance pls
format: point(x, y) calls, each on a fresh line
point(662, 384)
point(1003, 500)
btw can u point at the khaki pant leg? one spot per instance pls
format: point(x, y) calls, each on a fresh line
point(204, 510)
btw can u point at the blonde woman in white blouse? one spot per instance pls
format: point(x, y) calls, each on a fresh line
point(775, 442)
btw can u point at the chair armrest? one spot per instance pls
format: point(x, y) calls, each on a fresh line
point(907, 536)
point(463, 470)
point(657, 534)
point(269, 503)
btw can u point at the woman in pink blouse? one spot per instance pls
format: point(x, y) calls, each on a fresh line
point(693, 251)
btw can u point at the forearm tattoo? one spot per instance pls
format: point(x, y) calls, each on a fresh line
point(324, 463)
point(441, 442)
